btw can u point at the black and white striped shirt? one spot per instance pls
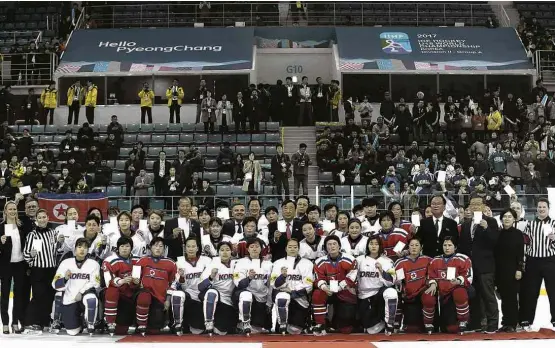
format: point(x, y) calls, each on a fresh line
point(539, 245)
point(46, 258)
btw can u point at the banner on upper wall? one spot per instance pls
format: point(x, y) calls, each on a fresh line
point(294, 37)
point(158, 49)
point(57, 204)
point(430, 49)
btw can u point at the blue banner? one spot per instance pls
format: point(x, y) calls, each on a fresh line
point(159, 49)
point(430, 48)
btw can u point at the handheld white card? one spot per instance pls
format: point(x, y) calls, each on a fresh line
point(182, 223)
point(107, 278)
point(400, 274)
point(9, 230)
point(399, 247)
point(451, 273)
point(223, 213)
point(143, 225)
point(415, 219)
point(334, 286)
point(136, 273)
point(441, 175)
point(510, 191)
point(547, 229)
point(328, 225)
point(255, 264)
point(477, 217)
point(282, 226)
point(181, 261)
point(71, 224)
point(114, 220)
point(37, 245)
point(25, 190)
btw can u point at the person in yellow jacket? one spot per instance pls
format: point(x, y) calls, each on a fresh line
point(494, 119)
point(175, 95)
point(147, 99)
point(49, 100)
point(335, 100)
point(74, 100)
point(91, 93)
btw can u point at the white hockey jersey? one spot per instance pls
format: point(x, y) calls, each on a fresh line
point(208, 248)
point(224, 280)
point(192, 275)
point(140, 248)
point(299, 276)
point(369, 279)
point(70, 236)
point(357, 250)
point(237, 237)
point(312, 252)
point(82, 278)
point(369, 228)
point(259, 285)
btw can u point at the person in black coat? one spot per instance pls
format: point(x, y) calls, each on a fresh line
point(174, 236)
point(160, 173)
point(478, 241)
point(278, 239)
point(235, 224)
point(431, 239)
point(509, 266)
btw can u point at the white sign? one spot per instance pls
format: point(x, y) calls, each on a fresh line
point(136, 273)
point(400, 274)
point(477, 217)
point(451, 273)
point(25, 190)
point(399, 247)
point(415, 219)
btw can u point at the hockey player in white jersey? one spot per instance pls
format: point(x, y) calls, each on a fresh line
point(216, 290)
point(377, 297)
point(211, 240)
point(124, 230)
point(251, 275)
point(312, 246)
point(79, 279)
point(67, 234)
point(354, 243)
point(291, 281)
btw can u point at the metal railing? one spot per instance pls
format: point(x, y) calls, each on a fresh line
point(27, 68)
point(268, 14)
point(545, 65)
point(12, 37)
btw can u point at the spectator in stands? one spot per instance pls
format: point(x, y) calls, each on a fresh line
point(85, 136)
point(305, 102)
point(181, 165)
point(224, 113)
point(147, 99)
point(90, 23)
point(208, 107)
point(198, 97)
point(49, 101)
point(538, 90)
point(301, 161)
point(239, 114)
point(161, 169)
point(30, 107)
point(172, 188)
point(206, 195)
point(253, 175)
point(115, 128)
point(132, 169)
point(237, 174)
point(226, 158)
point(141, 186)
point(139, 152)
point(254, 112)
point(91, 94)
point(319, 100)
point(75, 97)
point(281, 171)
point(175, 96)
point(25, 144)
point(111, 148)
point(102, 174)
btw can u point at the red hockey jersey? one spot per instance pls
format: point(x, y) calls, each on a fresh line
point(415, 274)
point(157, 275)
point(243, 252)
point(120, 268)
point(391, 239)
point(343, 269)
point(437, 272)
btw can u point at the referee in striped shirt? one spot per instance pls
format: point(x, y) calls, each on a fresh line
point(540, 264)
point(40, 254)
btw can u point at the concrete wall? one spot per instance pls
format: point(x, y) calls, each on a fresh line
point(277, 63)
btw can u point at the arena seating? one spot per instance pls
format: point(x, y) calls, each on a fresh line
point(543, 11)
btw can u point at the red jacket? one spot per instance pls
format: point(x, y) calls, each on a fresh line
point(415, 275)
point(437, 272)
point(343, 269)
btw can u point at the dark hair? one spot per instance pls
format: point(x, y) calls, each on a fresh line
point(330, 206)
point(369, 202)
point(301, 197)
point(354, 220)
point(100, 211)
point(314, 207)
point(380, 243)
point(94, 218)
point(204, 209)
point(224, 243)
point(357, 207)
point(292, 240)
point(254, 199)
point(388, 214)
point(287, 201)
point(156, 240)
point(216, 220)
point(544, 200)
point(123, 240)
point(508, 210)
point(394, 203)
point(250, 219)
point(269, 209)
point(82, 241)
point(254, 240)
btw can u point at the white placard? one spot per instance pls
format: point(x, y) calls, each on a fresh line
point(282, 226)
point(415, 220)
point(400, 274)
point(223, 214)
point(9, 230)
point(181, 261)
point(399, 247)
point(547, 229)
point(291, 262)
point(109, 229)
point(334, 286)
point(510, 191)
point(25, 190)
point(114, 220)
point(136, 273)
point(37, 245)
point(441, 175)
point(255, 264)
point(71, 224)
point(143, 225)
point(451, 273)
point(328, 225)
point(107, 278)
point(182, 223)
point(477, 217)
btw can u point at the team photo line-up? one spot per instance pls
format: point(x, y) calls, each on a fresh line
point(306, 271)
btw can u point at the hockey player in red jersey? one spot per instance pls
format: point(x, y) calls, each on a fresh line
point(450, 276)
point(335, 283)
point(391, 236)
point(157, 278)
point(412, 273)
point(120, 288)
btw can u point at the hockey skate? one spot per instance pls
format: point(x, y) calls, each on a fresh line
point(90, 329)
point(55, 327)
point(178, 329)
point(209, 325)
point(283, 329)
point(247, 328)
point(319, 330)
point(462, 327)
point(111, 329)
point(141, 329)
point(388, 330)
point(429, 328)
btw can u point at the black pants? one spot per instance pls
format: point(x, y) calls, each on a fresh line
point(89, 113)
point(254, 126)
point(16, 272)
point(485, 300)
point(299, 180)
point(508, 288)
point(240, 126)
point(208, 125)
point(40, 308)
point(537, 269)
point(74, 109)
point(29, 116)
point(175, 109)
point(305, 109)
point(146, 110)
point(48, 112)
point(158, 185)
point(282, 181)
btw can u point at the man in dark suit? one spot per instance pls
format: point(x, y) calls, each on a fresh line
point(292, 229)
point(235, 224)
point(175, 236)
point(161, 169)
point(434, 229)
point(281, 166)
point(477, 241)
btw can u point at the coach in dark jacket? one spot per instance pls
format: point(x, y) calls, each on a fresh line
point(478, 241)
point(430, 237)
point(278, 239)
point(174, 236)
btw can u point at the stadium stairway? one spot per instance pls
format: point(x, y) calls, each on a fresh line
point(292, 137)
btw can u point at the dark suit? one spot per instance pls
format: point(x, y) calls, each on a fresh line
point(229, 227)
point(432, 244)
point(278, 249)
point(160, 181)
point(175, 245)
point(481, 251)
point(281, 179)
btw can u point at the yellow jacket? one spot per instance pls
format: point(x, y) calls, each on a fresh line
point(336, 100)
point(180, 95)
point(71, 94)
point(49, 98)
point(90, 96)
point(147, 98)
point(494, 121)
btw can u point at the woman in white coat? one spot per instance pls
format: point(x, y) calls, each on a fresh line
point(224, 113)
